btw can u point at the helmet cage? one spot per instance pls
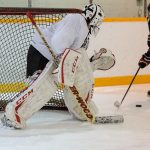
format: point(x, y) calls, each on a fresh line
point(94, 16)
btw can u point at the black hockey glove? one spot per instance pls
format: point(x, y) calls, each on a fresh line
point(148, 40)
point(145, 60)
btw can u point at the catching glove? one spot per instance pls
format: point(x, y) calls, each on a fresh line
point(102, 60)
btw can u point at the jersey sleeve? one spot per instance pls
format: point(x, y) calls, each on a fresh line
point(65, 34)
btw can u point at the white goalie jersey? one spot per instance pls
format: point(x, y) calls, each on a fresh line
point(70, 32)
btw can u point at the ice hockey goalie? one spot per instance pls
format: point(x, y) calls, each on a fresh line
point(75, 72)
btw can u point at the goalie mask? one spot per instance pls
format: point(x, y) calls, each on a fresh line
point(94, 16)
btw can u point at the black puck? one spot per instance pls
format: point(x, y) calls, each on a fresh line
point(138, 105)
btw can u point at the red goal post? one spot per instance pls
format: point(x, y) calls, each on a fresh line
point(16, 32)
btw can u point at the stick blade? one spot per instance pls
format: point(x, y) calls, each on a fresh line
point(117, 104)
point(109, 119)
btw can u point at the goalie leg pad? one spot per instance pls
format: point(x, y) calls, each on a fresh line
point(74, 101)
point(77, 98)
point(33, 98)
point(68, 66)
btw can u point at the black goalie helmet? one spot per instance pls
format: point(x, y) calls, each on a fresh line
point(94, 16)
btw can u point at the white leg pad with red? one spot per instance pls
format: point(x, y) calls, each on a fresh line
point(78, 98)
point(33, 98)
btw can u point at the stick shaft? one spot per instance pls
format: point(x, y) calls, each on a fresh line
point(130, 85)
point(29, 14)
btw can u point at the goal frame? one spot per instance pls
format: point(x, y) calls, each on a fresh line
point(37, 11)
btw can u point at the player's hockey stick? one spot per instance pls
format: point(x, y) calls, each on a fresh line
point(84, 107)
point(148, 17)
point(117, 104)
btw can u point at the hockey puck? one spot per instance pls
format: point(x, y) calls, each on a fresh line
point(138, 105)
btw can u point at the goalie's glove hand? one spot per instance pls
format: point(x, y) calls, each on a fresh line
point(144, 61)
point(102, 60)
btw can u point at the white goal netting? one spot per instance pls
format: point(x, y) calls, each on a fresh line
point(16, 32)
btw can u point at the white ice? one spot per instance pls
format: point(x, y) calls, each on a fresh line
point(56, 130)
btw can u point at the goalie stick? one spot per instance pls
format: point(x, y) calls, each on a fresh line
point(54, 57)
point(109, 119)
point(98, 120)
point(86, 112)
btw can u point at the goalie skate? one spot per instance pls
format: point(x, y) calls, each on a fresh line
point(109, 119)
point(5, 122)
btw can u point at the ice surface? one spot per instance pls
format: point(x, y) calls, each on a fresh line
point(56, 130)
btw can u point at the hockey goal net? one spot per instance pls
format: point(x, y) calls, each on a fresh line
point(16, 32)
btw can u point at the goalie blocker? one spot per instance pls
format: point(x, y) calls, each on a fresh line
point(78, 92)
